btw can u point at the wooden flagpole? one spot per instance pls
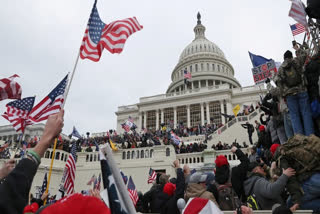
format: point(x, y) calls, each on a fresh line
point(56, 139)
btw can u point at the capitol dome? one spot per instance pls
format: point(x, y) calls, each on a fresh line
point(205, 61)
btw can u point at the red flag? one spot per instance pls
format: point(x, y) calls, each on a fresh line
point(9, 89)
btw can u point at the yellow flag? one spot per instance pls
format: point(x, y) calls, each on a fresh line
point(236, 110)
point(113, 147)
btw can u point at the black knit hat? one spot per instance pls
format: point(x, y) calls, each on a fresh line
point(288, 55)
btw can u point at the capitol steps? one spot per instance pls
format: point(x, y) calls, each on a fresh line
point(234, 131)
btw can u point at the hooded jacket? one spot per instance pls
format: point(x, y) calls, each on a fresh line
point(267, 193)
point(198, 191)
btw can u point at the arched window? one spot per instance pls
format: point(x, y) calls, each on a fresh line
point(62, 155)
point(202, 160)
point(196, 69)
point(91, 158)
point(167, 152)
point(57, 155)
point(142, 154)
point(198, 160)
point(65, 158)
point(51, 155)
point(190, 160)
point(132, 155)
point(151, 153)
point(194, 160)
point(186, 160)
point(137, 154)
point(182, 161)
point(147, 153)
point(128, 155)
point(47, 154)
point(123, 155)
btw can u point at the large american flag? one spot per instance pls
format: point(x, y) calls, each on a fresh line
point(9, 89)
point(297, 29)
point(70, 171)
point(99, 35)
point(132, 191)
point(152, 176)
point(51, 104)
point(18, 112)
point(298, 12)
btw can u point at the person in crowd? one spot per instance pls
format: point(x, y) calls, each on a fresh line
point(7, 167)
point(253, 156)
point(267, 194)
point(250, 130)
point(302, 154)
point(197, 188)
point(257, 127)
point(293, 86)
point(219, 146)
point(166, 201)
point(265, 139)
point(14, 191)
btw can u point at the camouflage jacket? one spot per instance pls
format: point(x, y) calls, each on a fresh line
point(280, 79)
point(301, 153)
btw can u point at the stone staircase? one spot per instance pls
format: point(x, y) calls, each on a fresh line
point(233, 130)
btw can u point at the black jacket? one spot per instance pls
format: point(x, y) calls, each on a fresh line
point(239, 174)
point(264, 140)
point(168, 204)
point(14, 191)
point(149, 199)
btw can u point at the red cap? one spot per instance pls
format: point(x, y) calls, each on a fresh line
point(273, 148)
point(169, 188)
point(32, 208)
point(261, 128)
point(221, 160)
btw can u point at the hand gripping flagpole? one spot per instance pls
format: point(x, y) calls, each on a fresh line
point(56, 139)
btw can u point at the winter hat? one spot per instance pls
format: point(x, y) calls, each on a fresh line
point(32, 208)
point(261, 128)
point(221, 160)
point(77, 203)
point(273, 148)
point(198, 177)
point(169, 188)
point(287, 55)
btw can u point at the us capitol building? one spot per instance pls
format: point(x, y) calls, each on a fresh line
point(213, 89)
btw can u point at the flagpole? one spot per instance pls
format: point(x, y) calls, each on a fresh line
point(20, 140)
point(56, 139)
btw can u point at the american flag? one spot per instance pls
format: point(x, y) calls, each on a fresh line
point(97, 185)
point(297, 29)
point(152, 176)
point(18, 113)
point(132, 191)
point(92, 179)
point(9, 89)
point(124, 177)
point(298, 12)
point(125, 127)
point(70, 171)
point(99, 35)
point(51, 104)
point(175, 138)
point(44, 184)
point(187, 75)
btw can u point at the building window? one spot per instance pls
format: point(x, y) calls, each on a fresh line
point(137, 154)
point(91, 158)
point(196, 69)
point(142, 154)
point(182, 115)
point(62, 156)
point(151, 153)
point(167, 152)
point(128, 155)
point(195, 115)
point(151, 120)
point(190, 68)
point(202, 69)
point(123, 155)
point(214, 112)
point(196, 48)
point(132, 155)
point(205, 113)
point(47, 154)
point(168, 115)
point(203, 83)
point(208, 67)
point(65, 158)
point(217, 82)
point(213, 68)
point(195, 84)
point(223, 69)
point(218, 68)
point(147, 153)
point(210, 82)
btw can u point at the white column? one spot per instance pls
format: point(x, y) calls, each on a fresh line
point(207, 83)
point(192, 86)
point(157, 119)
point(188, 116)
point(222, 111)
point(174, 117)
point(202, 114)
point(208, 112)
point(162, 115)
point(140, 120)
point(145, 120)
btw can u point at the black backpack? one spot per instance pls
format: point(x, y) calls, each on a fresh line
point(226, 197)
point(292, 76)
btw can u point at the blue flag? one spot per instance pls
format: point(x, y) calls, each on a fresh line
point(258, 60)
point(75, 133)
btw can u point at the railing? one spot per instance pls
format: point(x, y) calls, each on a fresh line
point(190, 158)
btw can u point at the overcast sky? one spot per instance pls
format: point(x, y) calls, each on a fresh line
point(41, 38)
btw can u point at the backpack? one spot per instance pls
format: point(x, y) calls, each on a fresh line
point(226, 197)
point(251, 128)
point(252, 201)
point(292, 76)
